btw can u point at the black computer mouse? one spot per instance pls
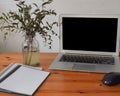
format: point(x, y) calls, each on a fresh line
point(111, 79)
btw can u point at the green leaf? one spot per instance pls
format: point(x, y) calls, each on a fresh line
point(48, 2)
point(35, 5)
point(6, 17)
point(21, 2)
point(16, 0)
point(1, 18)
point(55, 23)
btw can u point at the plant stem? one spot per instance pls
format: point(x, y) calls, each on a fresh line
point(29, 57)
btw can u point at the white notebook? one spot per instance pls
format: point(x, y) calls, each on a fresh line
point(21, 79)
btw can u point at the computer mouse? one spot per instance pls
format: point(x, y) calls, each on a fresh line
point(111, 79)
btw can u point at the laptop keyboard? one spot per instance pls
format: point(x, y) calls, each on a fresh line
point(88, 59)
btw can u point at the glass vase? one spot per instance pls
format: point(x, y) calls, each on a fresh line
point(30, 49)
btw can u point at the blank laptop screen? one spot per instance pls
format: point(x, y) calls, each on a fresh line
point(89, 34)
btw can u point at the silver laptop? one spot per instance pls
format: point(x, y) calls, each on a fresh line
point(88, 43)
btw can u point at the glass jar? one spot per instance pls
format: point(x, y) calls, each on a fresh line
point(30, 49)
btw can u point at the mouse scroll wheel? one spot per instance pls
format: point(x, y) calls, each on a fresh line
point(107, 82)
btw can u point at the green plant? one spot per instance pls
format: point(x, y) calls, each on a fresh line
point(29, 19)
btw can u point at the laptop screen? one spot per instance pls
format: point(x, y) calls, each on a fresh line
point(89, 34)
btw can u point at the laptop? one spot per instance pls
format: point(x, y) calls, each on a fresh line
point(88, 43)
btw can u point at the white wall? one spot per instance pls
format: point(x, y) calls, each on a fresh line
point(13, 43)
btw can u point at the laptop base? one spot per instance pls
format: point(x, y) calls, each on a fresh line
point(84, 67)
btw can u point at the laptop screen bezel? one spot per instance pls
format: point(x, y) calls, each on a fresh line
point(89, 52)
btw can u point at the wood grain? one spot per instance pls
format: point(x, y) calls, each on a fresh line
point(63, 83)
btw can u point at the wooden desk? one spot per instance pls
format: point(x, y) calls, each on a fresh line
point(64, 83)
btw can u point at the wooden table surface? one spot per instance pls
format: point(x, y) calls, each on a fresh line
point(63, 83)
